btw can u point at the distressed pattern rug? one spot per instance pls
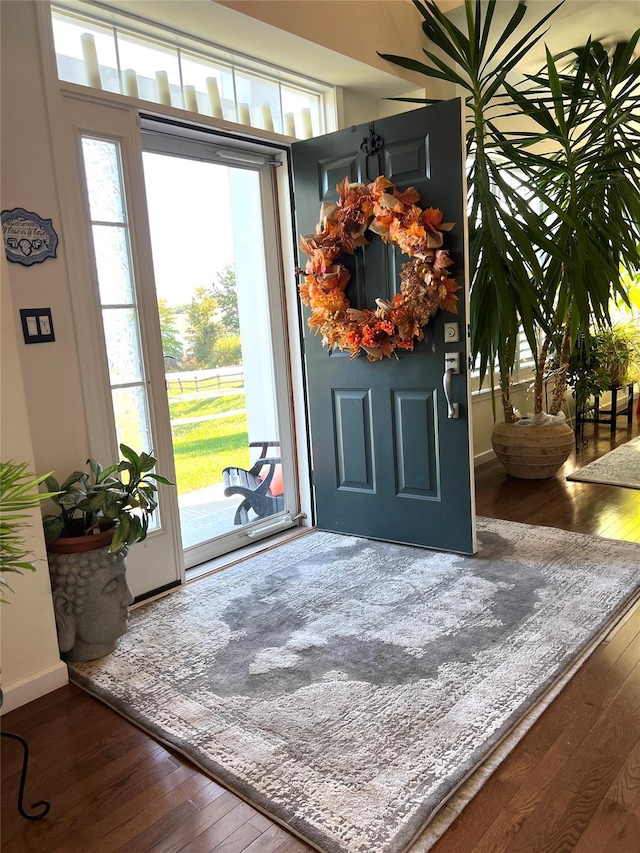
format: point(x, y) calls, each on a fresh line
point(619, 467)
point(346, 687)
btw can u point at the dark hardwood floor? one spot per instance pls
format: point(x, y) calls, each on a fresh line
point(572, 784)
point(609, 511)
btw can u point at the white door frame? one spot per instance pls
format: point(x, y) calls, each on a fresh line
point(180, 140)
point(156, 563)
point(73, 110)
point(80, 259)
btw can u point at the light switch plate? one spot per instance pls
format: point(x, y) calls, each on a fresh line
point(37, 325)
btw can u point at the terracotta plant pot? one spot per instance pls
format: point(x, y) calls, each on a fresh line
point(532, 452)
point(81, 544)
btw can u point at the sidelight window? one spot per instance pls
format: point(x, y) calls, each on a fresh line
point(117, 291)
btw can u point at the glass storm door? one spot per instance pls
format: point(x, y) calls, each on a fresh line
point(217, 284)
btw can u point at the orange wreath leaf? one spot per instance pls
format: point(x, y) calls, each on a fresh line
point(409, 196)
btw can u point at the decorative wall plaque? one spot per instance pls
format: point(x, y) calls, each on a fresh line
point(28, 239)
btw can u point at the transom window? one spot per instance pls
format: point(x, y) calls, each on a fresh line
point(120, 58)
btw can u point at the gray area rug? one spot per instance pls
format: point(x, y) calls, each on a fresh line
point(346, 687)
point(619, 467)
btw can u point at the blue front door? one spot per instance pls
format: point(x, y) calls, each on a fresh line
point(388, 461)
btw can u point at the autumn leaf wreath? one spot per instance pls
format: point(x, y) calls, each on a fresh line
point(425, 281)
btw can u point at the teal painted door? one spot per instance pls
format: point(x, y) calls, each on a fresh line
point(388, 462)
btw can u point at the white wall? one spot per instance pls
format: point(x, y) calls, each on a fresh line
point(42, 411)
point(51, 371)
point(29, 657)
point(355, 28)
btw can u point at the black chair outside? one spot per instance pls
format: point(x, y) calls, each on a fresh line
point(254, 485)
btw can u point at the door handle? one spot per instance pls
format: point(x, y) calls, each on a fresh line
point(451, 366)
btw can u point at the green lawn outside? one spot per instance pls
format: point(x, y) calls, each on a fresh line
point(208, 406)
point(203, 449)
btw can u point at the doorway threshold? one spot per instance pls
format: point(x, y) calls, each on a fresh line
point(212, 567)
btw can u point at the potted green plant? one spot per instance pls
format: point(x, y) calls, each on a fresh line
point(18, 495)
point(618, 351)
point(105, 506)
point(554, 207)
point(100, 514)
point(610, 359)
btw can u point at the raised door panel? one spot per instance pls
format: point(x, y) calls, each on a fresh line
point(415, 432)
point(407, 161)
point(353, 439)
point(331, 172)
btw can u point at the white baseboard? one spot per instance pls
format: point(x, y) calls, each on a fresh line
point(35, 685)
point(481, 458)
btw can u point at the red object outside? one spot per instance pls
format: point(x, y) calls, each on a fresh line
point(276, 487)
point(79, 544)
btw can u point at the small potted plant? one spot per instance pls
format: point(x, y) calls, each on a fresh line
point(103, 507)
point(101, 513)
point(609, 360)
point(618, 350)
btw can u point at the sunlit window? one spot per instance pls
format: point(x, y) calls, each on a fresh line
point(117, 58)
point(120, 321)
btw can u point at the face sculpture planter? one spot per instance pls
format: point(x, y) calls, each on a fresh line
point(100, 514)
point(91, 599)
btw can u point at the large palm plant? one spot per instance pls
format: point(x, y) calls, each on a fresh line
point(547, 229)
point(588, 187)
